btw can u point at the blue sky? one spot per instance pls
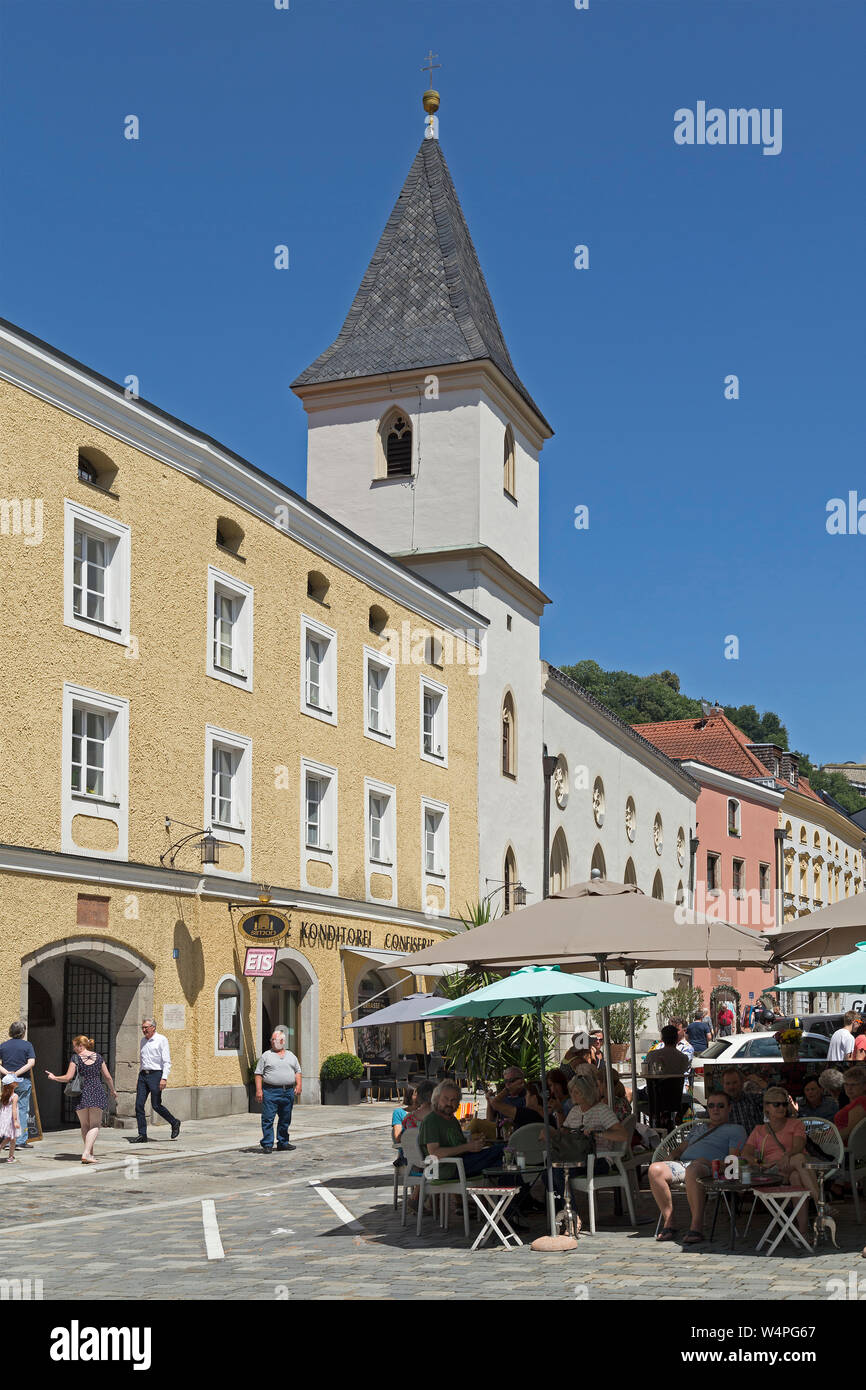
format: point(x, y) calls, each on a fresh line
point(260, 127)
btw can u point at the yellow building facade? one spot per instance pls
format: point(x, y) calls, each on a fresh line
point(191, 647)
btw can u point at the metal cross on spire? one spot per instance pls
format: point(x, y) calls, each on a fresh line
point(430, 100)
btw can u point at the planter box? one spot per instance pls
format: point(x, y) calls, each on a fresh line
point(346, 1092)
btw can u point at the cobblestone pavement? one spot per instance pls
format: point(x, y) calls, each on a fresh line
point(139, 1233)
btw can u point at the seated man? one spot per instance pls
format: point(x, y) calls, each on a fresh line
point(441, 1137)
point(692, 1160)
point(506, 1103)
point(851, 1114)
point(747, 1107)
point(666, 1060)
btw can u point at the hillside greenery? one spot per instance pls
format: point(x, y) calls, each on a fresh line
point(650, 699)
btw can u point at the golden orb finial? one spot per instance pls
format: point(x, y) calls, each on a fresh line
point(430, 101)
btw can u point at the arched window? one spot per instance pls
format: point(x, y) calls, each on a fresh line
point(658, 886)
point(317, 586)
point(229, 535)
point(227, 1022)
point(630, 875)
point(559, 863)
point(395, 433)
point(802, 834)
point(598, 862)
point(508, 479)
point(733, 816)
point(378, 619)
point(681, 895)
point(509, 737)
point(509, 874)
point(96, 468)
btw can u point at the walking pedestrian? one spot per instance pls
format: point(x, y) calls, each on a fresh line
point(278, 1086)
point(9, 1130)
point(18, 1056)
point(88, 1067)
point(152, 1080)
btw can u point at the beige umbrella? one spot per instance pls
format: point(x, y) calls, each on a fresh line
point(604, 926)
point(831, 931)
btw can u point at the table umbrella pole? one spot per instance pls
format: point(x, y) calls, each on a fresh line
point(548, 1161)
point(629, 978)
point(605, 1028)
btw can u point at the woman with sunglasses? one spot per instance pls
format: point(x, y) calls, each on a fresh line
point(781, 1143)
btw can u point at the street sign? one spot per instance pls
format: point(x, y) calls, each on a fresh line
point(260, 961)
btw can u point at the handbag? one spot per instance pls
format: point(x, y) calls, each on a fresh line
point(73, 1087)
point(570, 1145)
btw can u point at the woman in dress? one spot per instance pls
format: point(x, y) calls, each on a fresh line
point(780, 1143)
point(9, 1130)
point(89, 1066)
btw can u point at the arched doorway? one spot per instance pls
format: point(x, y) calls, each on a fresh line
point(559, 863)
point(281, 1006)
point(85, 985)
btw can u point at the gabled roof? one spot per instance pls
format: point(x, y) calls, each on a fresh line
point(717, 742)
point(423, 302)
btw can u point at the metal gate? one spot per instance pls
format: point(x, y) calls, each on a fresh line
point(86, 1009)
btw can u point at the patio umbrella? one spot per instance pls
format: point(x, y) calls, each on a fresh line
point(830, 931)
point(848, 973)
point(539, 989)
point(602, 926)
point(410, 1009)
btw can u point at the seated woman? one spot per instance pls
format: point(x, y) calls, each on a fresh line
point(558, 1100)
point(532, 1110)
point(781, 1144)
point(620, 1107)
point(398, 1118)
point(855, 1111)
point(815, 1104)
point(595, 1117)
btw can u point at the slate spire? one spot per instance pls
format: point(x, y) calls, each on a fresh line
point(424, 302)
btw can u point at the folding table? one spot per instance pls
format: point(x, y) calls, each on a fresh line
point(493, 1203)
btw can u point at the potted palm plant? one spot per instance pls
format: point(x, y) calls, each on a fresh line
point(618, 1022)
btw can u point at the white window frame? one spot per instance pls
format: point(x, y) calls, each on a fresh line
point(441, 720)
point(326, 853)
point(388, 734)
point(241, 832)
point(113, 805)
point(227, 1051)
point(115, 625)
point(328, 712)
point(242, 594)
point(441, 876)
point(388, 863)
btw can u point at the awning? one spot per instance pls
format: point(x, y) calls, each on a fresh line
point(397, 959)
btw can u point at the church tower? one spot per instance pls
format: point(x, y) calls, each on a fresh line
point(423, 439)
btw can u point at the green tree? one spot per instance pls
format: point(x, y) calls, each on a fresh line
point(486, 1047)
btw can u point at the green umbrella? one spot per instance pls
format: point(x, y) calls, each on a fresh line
point(540, 989)
point(847, 973)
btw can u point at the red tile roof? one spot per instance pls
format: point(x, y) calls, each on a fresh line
point(716, 742)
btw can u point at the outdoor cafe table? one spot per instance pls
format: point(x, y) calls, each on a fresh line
point(775, 1199)
point(371, 1067)
point(493, 1199)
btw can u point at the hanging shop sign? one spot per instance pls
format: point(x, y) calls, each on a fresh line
point(263, 926)
point(260, 961)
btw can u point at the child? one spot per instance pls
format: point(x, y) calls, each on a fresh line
point(9, 1114)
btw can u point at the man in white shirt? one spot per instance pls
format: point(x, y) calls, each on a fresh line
point(153, 1079)
point(842, 1041)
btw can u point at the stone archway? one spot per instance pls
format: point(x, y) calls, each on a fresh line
point(308, 1020)
point(131, 986)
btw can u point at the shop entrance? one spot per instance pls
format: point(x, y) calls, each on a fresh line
point(281, 1003)
point(89, 986)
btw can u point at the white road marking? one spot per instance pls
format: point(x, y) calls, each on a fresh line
point(212, 1243)
point(336, 1205)
point(178, 1202)
point(282, 1231)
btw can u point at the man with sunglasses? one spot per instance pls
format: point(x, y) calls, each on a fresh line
point(692, 1160)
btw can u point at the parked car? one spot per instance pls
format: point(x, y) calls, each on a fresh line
point(825, 1024)
point(760, 1047)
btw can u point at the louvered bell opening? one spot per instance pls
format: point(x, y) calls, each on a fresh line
point(398, 450)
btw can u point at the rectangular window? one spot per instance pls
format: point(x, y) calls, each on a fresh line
point(434, 722)
point(379, 683)
point(738, 877)
point(431, 826)
point(230, 636)
point(228, 792)
point(378, 808)
point(764, 879)
point(733, 817)
point(95, 771)
point(314, 812)
point(713, 883)
point(318, 671)
point(96, 573)
point(434, 855)
point(319, 867)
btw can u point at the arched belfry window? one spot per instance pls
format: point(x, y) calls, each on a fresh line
point(395, 433)
point(559, 863)
point(509, 737)
point(509, 875)
point(508, 478)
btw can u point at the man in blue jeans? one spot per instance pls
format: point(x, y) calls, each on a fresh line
point(278, 1086)
point(18, 1056)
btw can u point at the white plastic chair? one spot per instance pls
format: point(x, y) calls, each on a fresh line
point(592, 1183)
point(669, 1143)
point(414, 1159)
point(433, 1187)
